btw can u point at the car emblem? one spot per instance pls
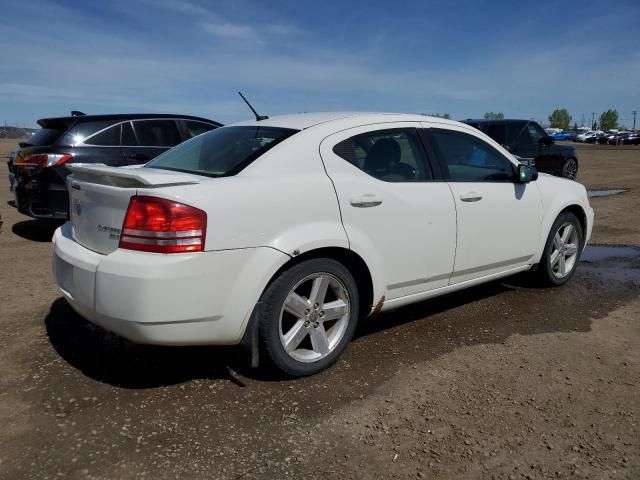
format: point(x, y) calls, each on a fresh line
point(77, 207)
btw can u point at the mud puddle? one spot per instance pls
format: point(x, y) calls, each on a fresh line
point(612, 262)
point(605, 193)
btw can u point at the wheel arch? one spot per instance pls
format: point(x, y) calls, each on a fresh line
point(350, 259)
point(579, 212)
point(352, 262)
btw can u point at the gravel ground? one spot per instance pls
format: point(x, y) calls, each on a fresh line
point(500, 381)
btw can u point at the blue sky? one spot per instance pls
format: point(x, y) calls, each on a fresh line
point(461, 57)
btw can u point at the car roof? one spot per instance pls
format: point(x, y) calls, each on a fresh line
point(68, 120)
point(302, 121)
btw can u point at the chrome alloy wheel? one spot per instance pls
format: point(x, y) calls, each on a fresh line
point(564, 253)
point(570, 169)
point(314, 317)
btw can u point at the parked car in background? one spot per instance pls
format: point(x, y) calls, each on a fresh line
point(582, 137)
point(597, 137)
point(617, 138)
point(40, 166)
point(631, 139)
point(530, 143)
point(562, 135)
point(204, 245)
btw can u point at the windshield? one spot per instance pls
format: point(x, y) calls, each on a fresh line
point(221, 152)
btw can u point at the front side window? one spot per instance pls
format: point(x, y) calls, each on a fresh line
point(469, 159)
point(157, 133)
point(221, 152)
point(109, 137)
point(535, 132)
point(392, 155)
point(521, 141)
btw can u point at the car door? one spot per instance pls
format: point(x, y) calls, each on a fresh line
point(149, 138)
point(498, 220)
point(545, 157)
point(393, 211)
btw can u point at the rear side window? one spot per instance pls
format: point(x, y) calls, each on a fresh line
point(392, 155)
point(109, 137)
point(157, 133)
point(195, 128)
point(221, 152)
point(469, 159)
point(128, 137)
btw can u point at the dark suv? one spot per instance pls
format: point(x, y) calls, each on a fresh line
point(39, 172)
point(531, 145)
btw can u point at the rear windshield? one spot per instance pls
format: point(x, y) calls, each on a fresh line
point(221, 152)
point(43, 137)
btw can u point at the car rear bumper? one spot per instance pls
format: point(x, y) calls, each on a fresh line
point(178, 299)
point(40, 198)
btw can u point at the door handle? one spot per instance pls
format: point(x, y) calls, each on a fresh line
point(139, 156)
point(365, 200)
point(471, 197)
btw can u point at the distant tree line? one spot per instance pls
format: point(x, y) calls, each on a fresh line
point(560, 118)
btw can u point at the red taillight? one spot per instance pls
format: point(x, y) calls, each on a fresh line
point(43, 159)
point(163, 226)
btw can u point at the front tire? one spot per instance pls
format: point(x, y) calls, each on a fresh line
point(309, 316)
point(561, 251)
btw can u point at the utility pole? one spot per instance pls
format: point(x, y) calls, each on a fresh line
point(634, 119)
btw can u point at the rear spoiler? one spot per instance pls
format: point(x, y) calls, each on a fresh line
point(130, 177)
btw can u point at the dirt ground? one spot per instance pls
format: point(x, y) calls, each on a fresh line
point(501, 381)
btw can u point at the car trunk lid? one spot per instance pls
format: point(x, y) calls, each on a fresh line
point(99, 197)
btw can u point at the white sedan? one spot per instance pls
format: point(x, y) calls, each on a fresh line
point(282, 233)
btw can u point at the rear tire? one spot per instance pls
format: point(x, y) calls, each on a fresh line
point(561, 251)
point(570, 168)
point(309, 316)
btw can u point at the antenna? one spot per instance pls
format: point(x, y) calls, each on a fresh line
point(258, 117)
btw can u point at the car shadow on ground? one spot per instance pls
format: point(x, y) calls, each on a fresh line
point(36, 230)
point(105, 357)
point(488, 313)
point(108, 358)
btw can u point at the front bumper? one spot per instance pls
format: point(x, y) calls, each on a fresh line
point(204, 298)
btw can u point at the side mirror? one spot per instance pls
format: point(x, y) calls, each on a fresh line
point(545, 141)
point(526, 174)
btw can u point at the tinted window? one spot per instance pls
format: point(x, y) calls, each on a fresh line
point(44, 136)
point(109, 137)
point(221, 152)
point(82, 130)
point(196, 128)
point(128, 137)
point(498, 132)
point(519, 137)
point(469, 159)
point(393, 155)
point(535, 132)
point(157, 133)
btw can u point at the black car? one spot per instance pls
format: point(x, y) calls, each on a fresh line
point(39, 169)
point(531, 145)
point(631, 139)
